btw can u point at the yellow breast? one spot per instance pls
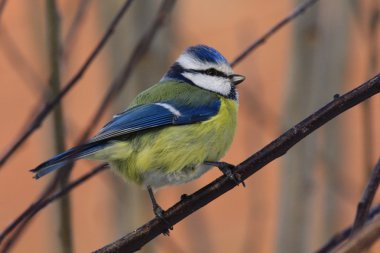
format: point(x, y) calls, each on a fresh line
point(176, 151)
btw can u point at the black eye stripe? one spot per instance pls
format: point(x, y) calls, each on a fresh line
point(210, 72)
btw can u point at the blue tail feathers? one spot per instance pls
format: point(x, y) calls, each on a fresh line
point(65, 158)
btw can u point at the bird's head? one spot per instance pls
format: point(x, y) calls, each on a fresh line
point(206, 68)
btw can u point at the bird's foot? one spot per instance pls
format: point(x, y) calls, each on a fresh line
point(159, 212)
point(228, 171)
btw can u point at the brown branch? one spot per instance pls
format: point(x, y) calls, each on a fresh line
point(138, 238)
point(365, 203)
point(74, 27)
point(121, 80)
point(363, 239)
point(27, 212)
point(295, 13)
point(40, 204)
point(40, 117)
point(3, 3)
point(54, 55)
point(18, 61)
point(345, 234)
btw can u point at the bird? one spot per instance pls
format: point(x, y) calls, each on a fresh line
point(171, 133)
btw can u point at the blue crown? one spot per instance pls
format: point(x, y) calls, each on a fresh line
point(207, 54)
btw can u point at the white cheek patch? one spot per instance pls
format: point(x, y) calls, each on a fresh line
point(212, 83)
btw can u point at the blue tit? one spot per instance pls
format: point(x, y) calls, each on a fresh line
point(172, 132)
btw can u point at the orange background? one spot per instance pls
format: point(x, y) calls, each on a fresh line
point(243, 220)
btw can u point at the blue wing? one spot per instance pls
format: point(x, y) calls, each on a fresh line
point(133, 120)
point(155, 115)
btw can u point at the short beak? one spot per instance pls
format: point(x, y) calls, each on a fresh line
point(236, 79)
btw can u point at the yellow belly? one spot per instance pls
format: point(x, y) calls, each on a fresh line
point(175, 153)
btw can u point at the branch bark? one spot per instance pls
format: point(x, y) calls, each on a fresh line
point(340, 237)
point(363, 239)
point(29, 213)
point(295, 13)
point(365, 203)
point(55, 53)
point(138, 238)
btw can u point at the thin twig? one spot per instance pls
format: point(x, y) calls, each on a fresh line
point(138, 238)
point(3, 3)
point(338, 238)
point(121, 80)
point(45, 193)
point(23, 221)
point(365, 203)
point(74, 27)
point(26, 217)
point(296, 12)
point(363, 239)
point(18, 61)
point(373, 61)
point(54, 52)
point(35, 124)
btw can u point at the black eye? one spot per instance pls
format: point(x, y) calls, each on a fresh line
point(211, 72)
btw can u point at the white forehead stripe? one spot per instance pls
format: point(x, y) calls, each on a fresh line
point(170, 108)
point(187, 61)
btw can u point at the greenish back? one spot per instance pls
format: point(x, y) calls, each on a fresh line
point(183, 93)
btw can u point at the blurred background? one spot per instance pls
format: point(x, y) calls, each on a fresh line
point(295, 204)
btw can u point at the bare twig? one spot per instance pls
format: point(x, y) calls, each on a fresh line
point(3, 3)
point(363, 239)
point(40, 204)
point(138, 238)
point(296, 12)
point(345, 234)
point(124, 75)
point(74, 27)
point(27, 212)
point(40, 117)
point(54, 41)
point(368, 131)
point(19, 63)
point(365, 203)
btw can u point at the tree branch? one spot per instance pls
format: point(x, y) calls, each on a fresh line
point(300, 9)
point(3, 3)
point(344, 234)
point(55, 53)
point(74, 28)
point(363, 239)
point(138, 238)
point(40, 117)
point(118, 84)
point(41, 203)
point(365, 203)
